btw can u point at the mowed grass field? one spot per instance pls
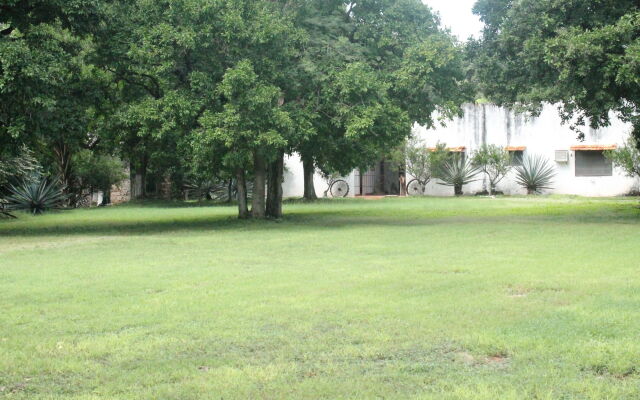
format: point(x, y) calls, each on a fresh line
point(419, 298)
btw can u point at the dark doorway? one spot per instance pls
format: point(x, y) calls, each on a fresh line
point(382, 179)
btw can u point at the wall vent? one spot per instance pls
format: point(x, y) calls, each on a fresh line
point(562, 156)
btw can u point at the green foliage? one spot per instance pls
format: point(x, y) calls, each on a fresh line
point(195, 88)
point(494, 161)
point(97, 171)
point(457, 172)
point(251, 120)
point(438, 157)
point(19, 168)
point(420, 162)
point(535, 174)
point(370, 70)
point(36, 196)
point(582, 54)
point(627, 157)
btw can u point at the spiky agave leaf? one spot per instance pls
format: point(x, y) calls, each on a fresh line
point(4, 212)
point(535, 173)
point(457, 172)
point(37, 196)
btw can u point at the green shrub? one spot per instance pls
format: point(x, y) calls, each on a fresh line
point(21, 168)
point(494, 161)
point(95, 171)
point(535, 174)
point(626, 157)
point(457, 172)
point(36, 196)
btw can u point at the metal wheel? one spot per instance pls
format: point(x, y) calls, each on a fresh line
point(339, 188)
point(415, 188)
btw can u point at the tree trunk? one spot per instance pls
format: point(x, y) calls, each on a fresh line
point(309, 173)
point(403, 183)
point(243, 209)
point(106, 197)
point(138, 179)
point(457, 190)
point(258, 205)
point(230, 192)
point(274, 187)
point(65, 173)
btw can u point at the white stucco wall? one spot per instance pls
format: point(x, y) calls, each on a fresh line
point(293, 185)
point(495, 125)
point(541, 135)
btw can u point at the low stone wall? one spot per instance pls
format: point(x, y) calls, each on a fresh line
point(121, 193)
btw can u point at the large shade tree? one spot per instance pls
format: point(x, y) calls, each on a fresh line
point(581, 54)
point(51, 92)
point(370, 70)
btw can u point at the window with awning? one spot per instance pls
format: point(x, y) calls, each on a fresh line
point(591, 161)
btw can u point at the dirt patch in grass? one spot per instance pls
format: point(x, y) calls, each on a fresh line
point(500, 360)
point(603, 371)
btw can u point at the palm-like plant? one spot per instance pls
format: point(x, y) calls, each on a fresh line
point(36, 195)
point(535, 174)
point(3, 209)
point(457, 172)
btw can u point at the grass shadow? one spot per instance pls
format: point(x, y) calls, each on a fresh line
point(327, 214)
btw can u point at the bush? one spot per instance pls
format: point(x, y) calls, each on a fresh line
point(457, 172)
point(97, 171)
point(535, 174)
point(36, 196)
point(22, 168)
point(627, 157)
point(494, 162)
point(418, 161)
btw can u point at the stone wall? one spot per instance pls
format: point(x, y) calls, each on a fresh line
point(121, 193)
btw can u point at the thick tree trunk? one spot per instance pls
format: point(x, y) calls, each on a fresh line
point(65, 173)
point(258, 205)
point(243, 208)
point(274, 187)
point(309, 172)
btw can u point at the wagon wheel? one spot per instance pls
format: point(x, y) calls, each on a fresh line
point(415, 188)
point(339, 188)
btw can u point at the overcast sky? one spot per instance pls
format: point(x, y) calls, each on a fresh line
point(457, 15)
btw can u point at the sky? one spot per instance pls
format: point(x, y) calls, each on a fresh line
point(457, 15)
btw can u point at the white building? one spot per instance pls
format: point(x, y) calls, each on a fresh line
point(581, 167)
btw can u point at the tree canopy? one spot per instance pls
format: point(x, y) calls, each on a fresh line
point(190, 88)
point(581, 54)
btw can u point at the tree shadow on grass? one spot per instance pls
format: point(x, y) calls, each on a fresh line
point(298, 221)
point(347, 214)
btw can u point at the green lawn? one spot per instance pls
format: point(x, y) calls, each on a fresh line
point(470, 298)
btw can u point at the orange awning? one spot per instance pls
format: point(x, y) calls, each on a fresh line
point(594, 147)
point(515, 148)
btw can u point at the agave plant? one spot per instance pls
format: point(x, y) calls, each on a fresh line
point(457, 172)
point(535, 174)
point(36, 196)
point(4, 213)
